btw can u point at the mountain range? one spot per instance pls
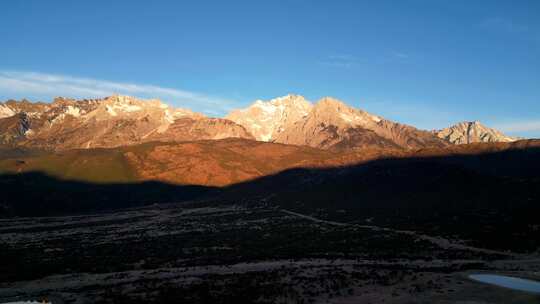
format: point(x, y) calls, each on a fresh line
point(117, 120)
point(109, 122)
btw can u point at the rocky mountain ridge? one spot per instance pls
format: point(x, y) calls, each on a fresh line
point(330, 124)
point(472, 132)
point(109, 122)
point(122, 120)
point(267, 119)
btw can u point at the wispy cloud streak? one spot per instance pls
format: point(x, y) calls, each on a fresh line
point(400, 55)
point(348, 61)
point(520, 126)
point(504, 25)
point(344, 61)
point(49, 85)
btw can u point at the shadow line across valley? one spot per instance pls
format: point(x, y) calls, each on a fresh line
point(449, 194)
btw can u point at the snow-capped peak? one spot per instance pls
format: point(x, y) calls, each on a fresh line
point(265, 119)
point(73, 111)
point(6, 111)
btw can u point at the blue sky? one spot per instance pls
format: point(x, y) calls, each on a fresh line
point(427, 63)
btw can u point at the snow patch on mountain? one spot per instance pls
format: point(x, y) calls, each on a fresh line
point(266, 119)
point(111, 111)
point(6, 111)
point(73, 111)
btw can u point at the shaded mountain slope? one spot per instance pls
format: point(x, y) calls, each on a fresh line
point(489, 195)
point(14, 128)
point(485, 193)
point(212, 162)
point(38, 194)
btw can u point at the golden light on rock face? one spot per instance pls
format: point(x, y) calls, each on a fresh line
point(123, 120)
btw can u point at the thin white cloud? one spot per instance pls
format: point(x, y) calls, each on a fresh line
point(520, 126)
point(344, 61)
point(400, 55)
point(505, 25)
point(348, 61)
point(337, 64)
point(343, 57)
point(48, 86)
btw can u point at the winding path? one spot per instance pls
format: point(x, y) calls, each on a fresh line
point(439, 241)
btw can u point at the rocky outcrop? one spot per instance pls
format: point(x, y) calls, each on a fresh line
point(111, 122)
point(472, 132)
point(14, 128)
point(188, 128)
point(331, 124)
point(122, 120)
point(267, 119)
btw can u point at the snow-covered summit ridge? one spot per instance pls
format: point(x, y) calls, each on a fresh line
point(266, 119)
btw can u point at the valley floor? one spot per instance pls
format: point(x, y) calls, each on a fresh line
point(235, 254)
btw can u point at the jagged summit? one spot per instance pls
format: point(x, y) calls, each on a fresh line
point(266, 119)
point(328, 123)
point(332, 123)
point(331, 102)
point(335, 109)
point(471, 132)
point(119, 120)
point(113, 121)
